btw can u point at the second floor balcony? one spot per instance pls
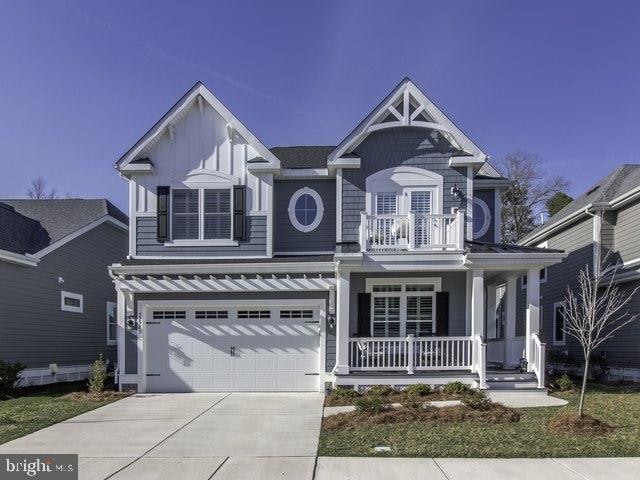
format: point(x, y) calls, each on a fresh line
point(412, 232)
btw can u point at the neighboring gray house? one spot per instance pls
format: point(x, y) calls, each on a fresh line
point(604, 219)
point(293, 268)
point(58, 305)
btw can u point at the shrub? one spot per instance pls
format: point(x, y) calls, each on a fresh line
point(565, 383)
point(371, 404)
point(380, 391)
point(98, 376)
point(9, 377)
point(344, 393)
point(418, 389)
point(478, 400)
point(456, 388)
point(413, 401)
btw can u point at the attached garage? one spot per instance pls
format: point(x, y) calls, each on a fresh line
point(229, 346)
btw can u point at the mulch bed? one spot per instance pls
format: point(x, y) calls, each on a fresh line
point(400, 397)
point(570, 423)
point(494, 415)
point(97, 396)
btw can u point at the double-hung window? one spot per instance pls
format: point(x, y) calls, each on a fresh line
point(402, 309)
point(201, 214)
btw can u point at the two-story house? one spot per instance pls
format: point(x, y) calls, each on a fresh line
point(294, 268)
point(603, 223)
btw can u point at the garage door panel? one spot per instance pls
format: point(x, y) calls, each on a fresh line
point(272, 353)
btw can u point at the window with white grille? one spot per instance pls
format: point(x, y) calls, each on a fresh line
point(211, 314)
point(169, 314)
point(254, 314)
point(386, 316)
point(217, 214)
point(296, 313)
point(419, 316)
point(386, 203)
point(185, 218)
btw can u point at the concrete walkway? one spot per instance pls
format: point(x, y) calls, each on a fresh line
point(358, 468)
point(189, 436)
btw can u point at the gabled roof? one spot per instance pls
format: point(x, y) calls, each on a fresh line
point(309, 156)
point(623, 180)
point(417, 111)
point(174, 114)
point(30, 226)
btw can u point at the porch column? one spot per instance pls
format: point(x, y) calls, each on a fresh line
point(121, 313)
point(342, 322)
point(477, 303)
point(533, 311)
point(510, 324)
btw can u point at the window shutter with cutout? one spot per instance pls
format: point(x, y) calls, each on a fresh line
point(239, 212)
point(162, 213)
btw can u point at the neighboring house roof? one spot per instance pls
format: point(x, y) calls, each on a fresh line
point(306, 156)
point(623, 180)
point(30, 226)
point(488, 247)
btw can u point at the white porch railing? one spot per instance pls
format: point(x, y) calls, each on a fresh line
point(413, 231)
point(538, 351)
point(411, 353)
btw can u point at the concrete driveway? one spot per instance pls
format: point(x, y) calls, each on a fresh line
point(191, 436)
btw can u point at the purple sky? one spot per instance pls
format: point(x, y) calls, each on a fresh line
point(81, 81)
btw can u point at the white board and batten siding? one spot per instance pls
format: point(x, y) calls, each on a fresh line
point(197, 151)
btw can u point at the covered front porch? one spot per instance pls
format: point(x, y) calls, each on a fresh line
point(435, 327)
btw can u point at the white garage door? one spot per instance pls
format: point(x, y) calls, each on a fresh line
point(232, 349)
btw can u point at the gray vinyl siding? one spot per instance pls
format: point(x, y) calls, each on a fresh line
point(131, 353)
point(35, 331)
point(627, 228)
point(390, 148)
point(289, 239)
point(254, 245)
point(577, 241)
point(452, 282)
point(489, 197)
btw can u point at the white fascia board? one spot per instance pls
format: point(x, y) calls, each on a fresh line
point(230, 268)
point(513, 261)
point(81, 231)
point(625, 198)
point(344, 162)
point(263, 167)
point(19, 259)
point(304, 173)
point(136, 168)
point(499, 183)
point(466, 161)
point(197, 90)
point(444, 123)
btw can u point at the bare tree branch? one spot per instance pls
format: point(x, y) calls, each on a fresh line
point(38, 190)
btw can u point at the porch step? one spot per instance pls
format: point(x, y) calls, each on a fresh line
point(524, 385)
point(511, 377)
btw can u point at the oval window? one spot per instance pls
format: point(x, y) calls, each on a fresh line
point(481, 217)
point(305, 209)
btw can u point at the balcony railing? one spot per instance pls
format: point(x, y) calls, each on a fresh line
point(412, 354)
point(380, 233)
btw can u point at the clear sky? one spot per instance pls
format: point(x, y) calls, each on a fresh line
point(81, 81)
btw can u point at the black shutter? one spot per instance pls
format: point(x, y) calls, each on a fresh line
point(239, 212)
point(162, 212)
point(364, 314)
point(442, 313)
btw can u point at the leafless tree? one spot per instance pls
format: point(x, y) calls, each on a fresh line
point(38, 190)
point(532, 187)
point(595, 312)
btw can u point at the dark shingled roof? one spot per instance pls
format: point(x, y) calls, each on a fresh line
point(622, 180)
point(488, 247)
point(303, 156)
point(28, 226)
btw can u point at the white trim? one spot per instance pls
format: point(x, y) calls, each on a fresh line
point(297, 173)
point(338, 205)
point(145, 307)
point(175, 112)
point(44, 375)
point(435, 281)
point(217, 242)
point(319, 210)
point(543, 279)
point(133, 215)
point(225, 268)
point(268, 186)
point(470, 197)
point(597, 240)
point(69, 308)
point(497, 217)
point(114, 307)
point(19, 259)
point(487, 217)
point(405, 88)
point(630, 263)
point(556, 305)
point(77, 233)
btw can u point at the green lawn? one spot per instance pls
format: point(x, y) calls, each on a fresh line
point(618, 406)
point(25, 414)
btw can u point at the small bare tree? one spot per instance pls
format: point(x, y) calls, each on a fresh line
point(38, 190)
point(595, 312)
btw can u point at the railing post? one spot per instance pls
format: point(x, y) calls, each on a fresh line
point(460, 221)
point(410, 354)
point(363, 232)
point(412, 230)
point(482, 361)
